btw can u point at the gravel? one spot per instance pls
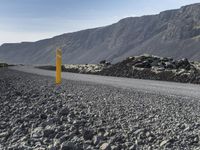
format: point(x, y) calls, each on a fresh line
point(37, 114)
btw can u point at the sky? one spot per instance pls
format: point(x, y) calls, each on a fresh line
point(32, 20)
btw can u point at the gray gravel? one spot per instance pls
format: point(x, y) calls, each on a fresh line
point(36, 114)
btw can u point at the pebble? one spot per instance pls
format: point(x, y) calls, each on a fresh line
point(49, 132)
point(68, 146)
point(37, 132)
point(164, 143)
point(105, 146)
point(87, 134)
point(64, 111)
point(96, 140)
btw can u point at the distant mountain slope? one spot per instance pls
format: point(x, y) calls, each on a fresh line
point(173, 33)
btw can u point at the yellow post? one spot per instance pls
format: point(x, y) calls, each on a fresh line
point(58, 65)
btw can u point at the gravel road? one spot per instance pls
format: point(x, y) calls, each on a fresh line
point(163, 87)
point(37, 114)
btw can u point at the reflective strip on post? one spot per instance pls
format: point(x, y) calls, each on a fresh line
point(58, 65)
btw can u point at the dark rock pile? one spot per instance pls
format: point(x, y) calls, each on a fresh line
point(156, 68)
point(36, 114)
point(3, 65)
point(141, 67)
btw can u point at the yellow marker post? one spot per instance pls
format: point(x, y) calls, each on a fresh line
point(58, 65)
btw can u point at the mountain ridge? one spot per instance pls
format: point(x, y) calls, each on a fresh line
point(174, 33)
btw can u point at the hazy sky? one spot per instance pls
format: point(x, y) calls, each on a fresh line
point(31, 20)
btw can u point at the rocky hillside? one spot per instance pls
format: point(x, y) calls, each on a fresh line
point(171, 33)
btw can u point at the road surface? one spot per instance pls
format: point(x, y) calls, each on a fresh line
point(159, 87)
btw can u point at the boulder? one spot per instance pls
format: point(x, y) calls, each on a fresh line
point(183, 64)
point(169, 65)
point(144, 64)
point(102, 62)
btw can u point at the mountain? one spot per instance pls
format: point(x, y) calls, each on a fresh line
point(174, 33)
